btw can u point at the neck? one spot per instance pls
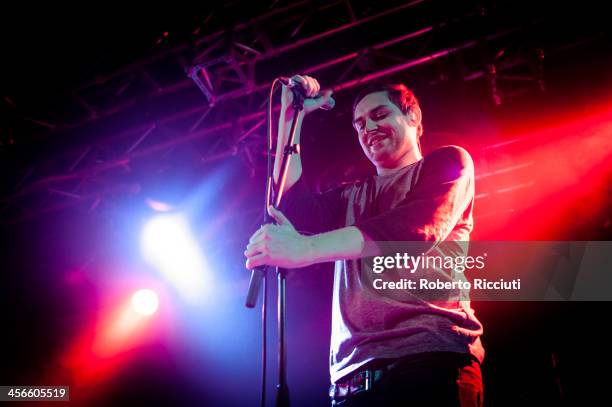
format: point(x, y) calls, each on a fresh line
point(410, 157)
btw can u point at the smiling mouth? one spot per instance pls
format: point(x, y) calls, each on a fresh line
point(376, 139)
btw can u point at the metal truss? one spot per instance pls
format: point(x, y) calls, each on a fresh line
point(209, 93)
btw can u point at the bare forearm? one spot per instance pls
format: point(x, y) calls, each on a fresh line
point(341, 244)
point(312, 101)
point(295, 164)
point(281, 245)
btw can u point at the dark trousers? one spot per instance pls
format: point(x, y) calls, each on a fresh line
point(429, 379)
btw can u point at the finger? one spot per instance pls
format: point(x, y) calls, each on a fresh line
point(260, 232)
point(255, 248)
point(317, 86)
point(256, 236)
point(301, 80)
point(308, 86)
point(314, 86)
point(256, 261)
point(278, 216)
point(326, 99)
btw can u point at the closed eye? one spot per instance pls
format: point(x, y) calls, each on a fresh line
point(380, 116)
point(376, 114)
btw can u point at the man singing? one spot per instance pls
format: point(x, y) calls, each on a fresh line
point(386, 349)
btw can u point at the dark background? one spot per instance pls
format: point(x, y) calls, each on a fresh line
point(61, 255)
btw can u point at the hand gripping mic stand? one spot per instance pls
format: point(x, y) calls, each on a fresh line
point(259, 274)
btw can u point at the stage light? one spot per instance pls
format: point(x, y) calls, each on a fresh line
point(168, 244)
point(122, 324)
point(145, 302)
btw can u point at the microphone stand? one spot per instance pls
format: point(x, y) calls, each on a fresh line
point(282, 389)
point(259, 274)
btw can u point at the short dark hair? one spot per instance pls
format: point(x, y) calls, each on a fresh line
point(398, 94)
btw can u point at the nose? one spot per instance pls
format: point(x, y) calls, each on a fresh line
point(369, 125)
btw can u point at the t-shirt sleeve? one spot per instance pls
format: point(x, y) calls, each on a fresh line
point(311, 212)
point(431, 210)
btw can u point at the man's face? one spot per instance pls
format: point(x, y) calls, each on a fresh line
point(385, 133)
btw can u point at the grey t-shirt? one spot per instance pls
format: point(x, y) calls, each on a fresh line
point(430, 202)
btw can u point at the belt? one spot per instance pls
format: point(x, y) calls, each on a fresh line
point(363, 380)
point(367, 379)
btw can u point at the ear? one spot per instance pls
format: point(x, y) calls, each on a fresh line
point(415, 116)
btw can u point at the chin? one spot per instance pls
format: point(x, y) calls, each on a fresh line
point(380, 158)
point(380, 163)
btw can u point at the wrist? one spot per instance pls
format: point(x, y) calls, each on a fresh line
point(287, 112)
point(312, 249)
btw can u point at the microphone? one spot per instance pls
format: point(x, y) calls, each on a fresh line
point(329, 104)
point(257, 276)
